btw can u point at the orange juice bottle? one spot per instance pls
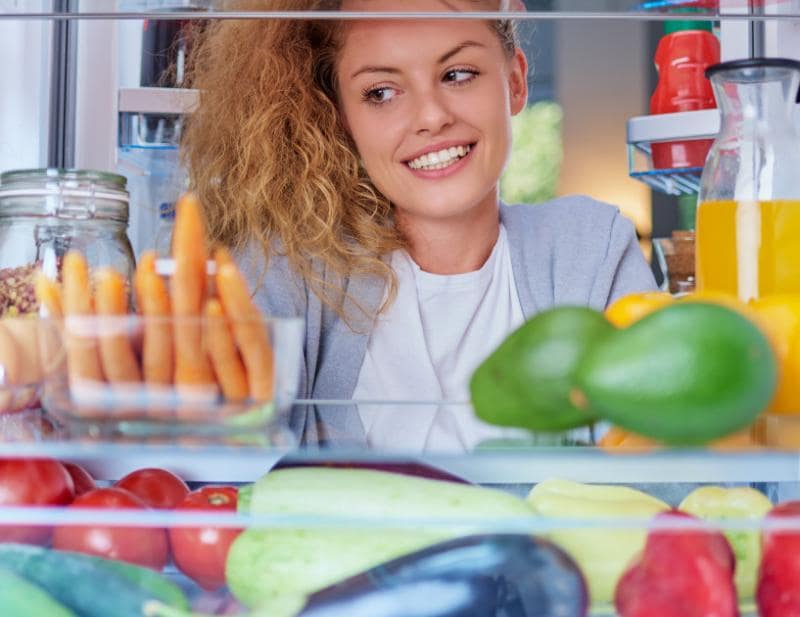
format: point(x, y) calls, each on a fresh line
point(748, 248)
point(748, 216)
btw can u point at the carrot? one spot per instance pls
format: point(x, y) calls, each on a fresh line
point(10, 363)
point(153, 303)
point(119, 361)
point(82, 353)
point(249, 331)
point(146, 264)
point(188, 289)
point(49, 296)
point(225, 358)
point(222, 257)
point(157, 353)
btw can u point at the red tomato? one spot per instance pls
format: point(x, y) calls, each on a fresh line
point(32, 482)
point(144, 546)
point(158, 488)
point(80, 477)
point(200, 553)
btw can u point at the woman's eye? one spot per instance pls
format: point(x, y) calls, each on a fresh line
point(460, 75)
point(378, 96)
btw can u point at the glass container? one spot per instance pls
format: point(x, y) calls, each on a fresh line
point(46, 212)
point(748, 218)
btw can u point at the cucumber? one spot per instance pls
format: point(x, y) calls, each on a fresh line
point(84, 584)
point(21, 598)
point(156, 585)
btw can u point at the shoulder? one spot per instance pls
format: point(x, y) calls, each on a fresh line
point(564, 214)
point(576, 227)
point(277, 289)
point(572, 250)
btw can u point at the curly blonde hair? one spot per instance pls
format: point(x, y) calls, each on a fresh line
point(270, 159)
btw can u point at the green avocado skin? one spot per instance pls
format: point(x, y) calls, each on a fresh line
point(527, 380)
point(684, 375)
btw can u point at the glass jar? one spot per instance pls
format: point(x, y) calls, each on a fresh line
point(46, 212)
point(748, 217)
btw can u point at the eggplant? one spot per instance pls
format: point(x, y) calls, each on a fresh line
point(489, 575)
point(402, 467)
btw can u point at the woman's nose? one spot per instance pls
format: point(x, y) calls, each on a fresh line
point(432, 114)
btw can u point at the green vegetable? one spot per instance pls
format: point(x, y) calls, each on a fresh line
point(243, 498)
point(602, 554)
point(271, 567)
point(21, 598)
point(146, 579)
point(714, 503)
point(533, 168)
point(527, 381)
point(89, 585)
point(685, 374)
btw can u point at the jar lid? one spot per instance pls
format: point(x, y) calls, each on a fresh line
point(64, 193)
point(753, 63)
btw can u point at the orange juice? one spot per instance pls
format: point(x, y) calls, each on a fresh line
point(748, 248)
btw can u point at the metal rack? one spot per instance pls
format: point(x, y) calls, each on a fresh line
point(642, 131)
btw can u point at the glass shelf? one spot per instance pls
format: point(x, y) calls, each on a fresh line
point(516, 457)
point(337, 509)
point(657, 10)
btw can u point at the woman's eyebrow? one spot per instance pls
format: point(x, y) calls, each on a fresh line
point(458, 48)
point(445, 57)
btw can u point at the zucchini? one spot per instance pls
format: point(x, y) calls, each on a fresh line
point(85, 584)
point(21, 598)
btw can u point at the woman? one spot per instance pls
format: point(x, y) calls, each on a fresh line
point(355, 167)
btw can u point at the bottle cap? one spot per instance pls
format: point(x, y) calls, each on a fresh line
point(679, 25)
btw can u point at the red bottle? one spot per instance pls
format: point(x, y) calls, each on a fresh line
point(682, 57)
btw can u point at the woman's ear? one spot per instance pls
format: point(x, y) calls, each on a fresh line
point(518, 82)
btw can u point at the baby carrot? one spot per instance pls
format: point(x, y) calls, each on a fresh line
point(82, 353)
point(224, 357)
point(10, 363)
point(188, 289)
point(222, 257)
point(146, 264)
point(154, 305)
point(249, 330)
point(49, 296)
point(119, 361)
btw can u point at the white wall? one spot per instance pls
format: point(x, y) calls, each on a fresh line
point(601, 76)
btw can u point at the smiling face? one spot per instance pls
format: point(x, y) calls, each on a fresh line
point(428, 105)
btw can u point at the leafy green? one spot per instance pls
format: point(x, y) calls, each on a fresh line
point(532, 172)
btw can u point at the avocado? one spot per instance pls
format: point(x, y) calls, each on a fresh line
point(683, 375)
point(526, 381)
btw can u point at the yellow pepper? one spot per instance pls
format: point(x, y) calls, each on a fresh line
point(602, 554)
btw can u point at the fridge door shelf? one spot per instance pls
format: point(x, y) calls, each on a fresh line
point(152, 118)
point(642, 131)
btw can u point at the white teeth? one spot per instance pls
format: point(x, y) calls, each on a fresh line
point(439, 160)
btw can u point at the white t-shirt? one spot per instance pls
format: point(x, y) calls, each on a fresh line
point(426, 346)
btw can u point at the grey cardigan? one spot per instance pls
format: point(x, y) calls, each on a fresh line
point(573, 250)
